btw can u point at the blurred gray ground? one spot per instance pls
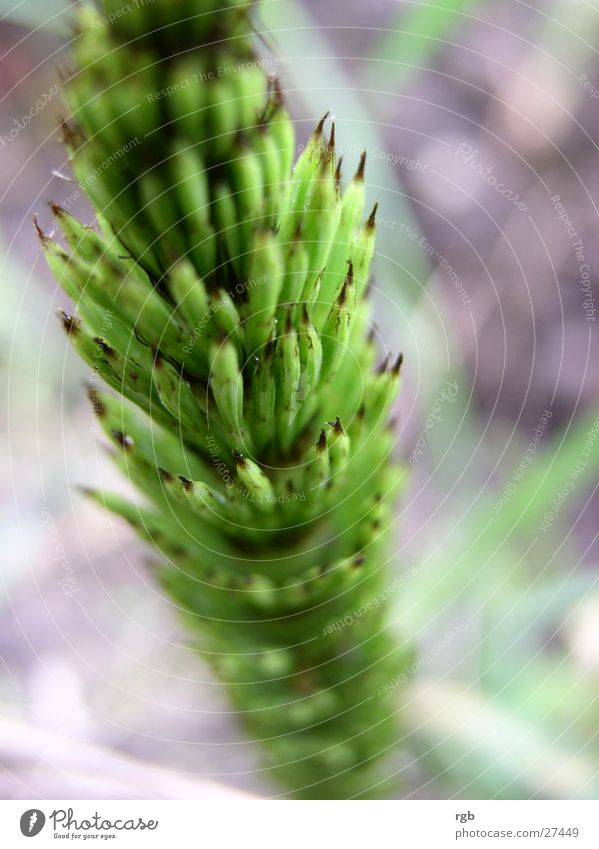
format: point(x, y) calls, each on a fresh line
point(90, 647)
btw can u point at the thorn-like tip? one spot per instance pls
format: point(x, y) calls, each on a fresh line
point(318, 131)
point(343, 293)
point(383, 366)
point(322, 440)
point(331, 142)
point(359, 175)
point(70, 133)
point(43, 237)
point(397, 364)
point(103, 346)
point(336, 425)
point(69, 322)
point(185, 483)
point(337, 176)
point(123, 440)
point(57, 209)
point(239, 458)
point(370, 224)
point(164, 475)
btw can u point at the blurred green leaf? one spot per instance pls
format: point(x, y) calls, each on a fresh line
point(421, 30)
point(484, 750)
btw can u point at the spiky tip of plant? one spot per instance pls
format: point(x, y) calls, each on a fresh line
point(222, 299)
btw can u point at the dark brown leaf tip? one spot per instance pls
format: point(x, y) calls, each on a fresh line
point(336, 425)
point(69, 322)
point(358, 561)
point(359, 175)
point(69, 133)
point(288, 322)
point(57, 209)
point(239, 459)
point(397, 364)
point(104, 346)
point(343, 293)
point(371, 223)
point(186, 483)
point(317, 134)
point(164, 475)
point(329, 147)
point(45, 238)
point(322, 440)
point(338, 174)
point(123, 440)
point(274, 101)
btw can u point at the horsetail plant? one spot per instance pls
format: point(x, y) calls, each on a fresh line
point(223, 300)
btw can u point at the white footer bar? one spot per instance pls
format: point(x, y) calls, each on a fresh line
point(305, 825)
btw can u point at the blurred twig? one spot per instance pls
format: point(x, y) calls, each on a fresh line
point(42, 761)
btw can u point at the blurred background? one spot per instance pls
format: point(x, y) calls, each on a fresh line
point(480, 120)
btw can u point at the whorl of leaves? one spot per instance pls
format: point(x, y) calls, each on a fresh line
point(222, 298)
